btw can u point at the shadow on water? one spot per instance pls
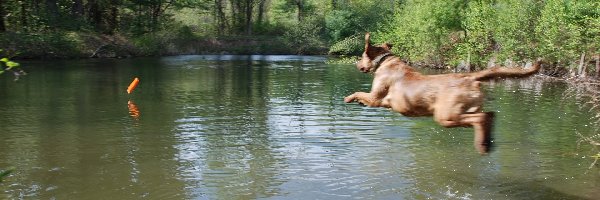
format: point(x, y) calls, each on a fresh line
point(272, 127)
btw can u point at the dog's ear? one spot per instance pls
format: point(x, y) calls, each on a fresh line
point(387, 46)
point(367, 41)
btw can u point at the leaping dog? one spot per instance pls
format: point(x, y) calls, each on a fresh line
point(454, 100)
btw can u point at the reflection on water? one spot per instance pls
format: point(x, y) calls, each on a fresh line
point(134, 112)
point(246, 127)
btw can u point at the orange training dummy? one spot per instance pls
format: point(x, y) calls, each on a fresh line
point(132, 85)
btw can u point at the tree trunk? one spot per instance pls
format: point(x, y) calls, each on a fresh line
point(52, 10)
point(598, 66)
point(220, 15)
point(77, 8)
point(261, 11)
point(581, 68)
point(35, 4)
point(300, 5)
point(236, 9)
point(155, 16)
point(95, 14)
point(248, 17)
point(113, 19)
point(2, 22)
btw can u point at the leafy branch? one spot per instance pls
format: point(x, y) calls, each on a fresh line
point(8, 65)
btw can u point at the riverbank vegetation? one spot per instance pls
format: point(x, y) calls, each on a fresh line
point(470, 34)
point(564, 33)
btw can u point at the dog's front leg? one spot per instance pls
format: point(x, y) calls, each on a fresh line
point(350, 98)
point(362, 98)
point(367, 99)
point(371, 99)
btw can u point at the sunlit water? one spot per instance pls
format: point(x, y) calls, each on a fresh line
point(273, 127)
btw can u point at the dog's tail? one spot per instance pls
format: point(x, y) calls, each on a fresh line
point(506, 72)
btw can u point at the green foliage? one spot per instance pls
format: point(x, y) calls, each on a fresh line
point(430, 31)
point(8, 65)
point(305, 37)
point(514, 30)
point(478, 24)
point(421, 29)
point(43, 44)
point(356, 17)
point(164, 42)
point(341, 24)
point(353, 45)
point(569, 28)
point(447, 32)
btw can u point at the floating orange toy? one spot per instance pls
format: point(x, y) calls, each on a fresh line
point(132, 85)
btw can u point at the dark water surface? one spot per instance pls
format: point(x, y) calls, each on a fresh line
point(273, 127)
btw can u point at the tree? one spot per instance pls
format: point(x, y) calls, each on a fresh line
point(52, 12)
point(249, 4)
point(2, 22)
point(261, 11)
point(300, 7)
point(77, 8)
point(220, 17)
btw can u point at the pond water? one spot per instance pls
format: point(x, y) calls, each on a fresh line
point(273, 127)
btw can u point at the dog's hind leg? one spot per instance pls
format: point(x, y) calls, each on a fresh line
point(483, 133)
point(482, 123)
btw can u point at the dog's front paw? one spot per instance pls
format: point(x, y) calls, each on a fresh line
point(349, 99)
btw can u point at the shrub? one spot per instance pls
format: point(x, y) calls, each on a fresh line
point(421, 28)
point(305, 37)
point(569, 28)
point(341, 24)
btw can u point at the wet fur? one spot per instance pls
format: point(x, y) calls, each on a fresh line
point(454, 100)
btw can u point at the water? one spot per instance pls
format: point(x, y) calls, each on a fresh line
point(273, 127)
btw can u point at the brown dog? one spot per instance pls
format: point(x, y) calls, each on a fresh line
point(454, 100)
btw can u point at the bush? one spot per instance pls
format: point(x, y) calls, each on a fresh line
point(356, 17)
point(569, 28)
point(59, 44)
point(478, 24)
point(305, 37)
point(421, 29)
point(341, 24)
point(515, 29)
point(447, 32)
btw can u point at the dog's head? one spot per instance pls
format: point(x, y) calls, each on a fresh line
point(372, 55)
